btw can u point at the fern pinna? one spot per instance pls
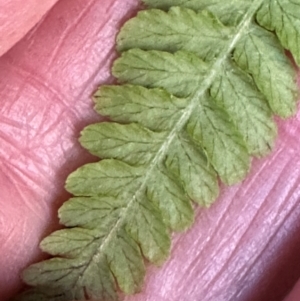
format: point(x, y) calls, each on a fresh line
point(201, 82)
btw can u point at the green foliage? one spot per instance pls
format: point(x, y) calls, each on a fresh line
point(201, 82)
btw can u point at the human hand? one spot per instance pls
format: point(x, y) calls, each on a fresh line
point(245, 247)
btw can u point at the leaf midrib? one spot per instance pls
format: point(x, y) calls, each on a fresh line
point(186, 113)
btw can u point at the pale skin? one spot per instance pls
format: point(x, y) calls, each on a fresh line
point(245, 247)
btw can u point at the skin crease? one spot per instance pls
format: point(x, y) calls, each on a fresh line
point(17, 17)
point(244, 248)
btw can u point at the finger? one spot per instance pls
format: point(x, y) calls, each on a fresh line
point(18, 17)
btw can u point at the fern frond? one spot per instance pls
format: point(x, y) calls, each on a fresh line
point(201, 83)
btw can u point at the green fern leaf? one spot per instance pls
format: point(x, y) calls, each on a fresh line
point(201, 83)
